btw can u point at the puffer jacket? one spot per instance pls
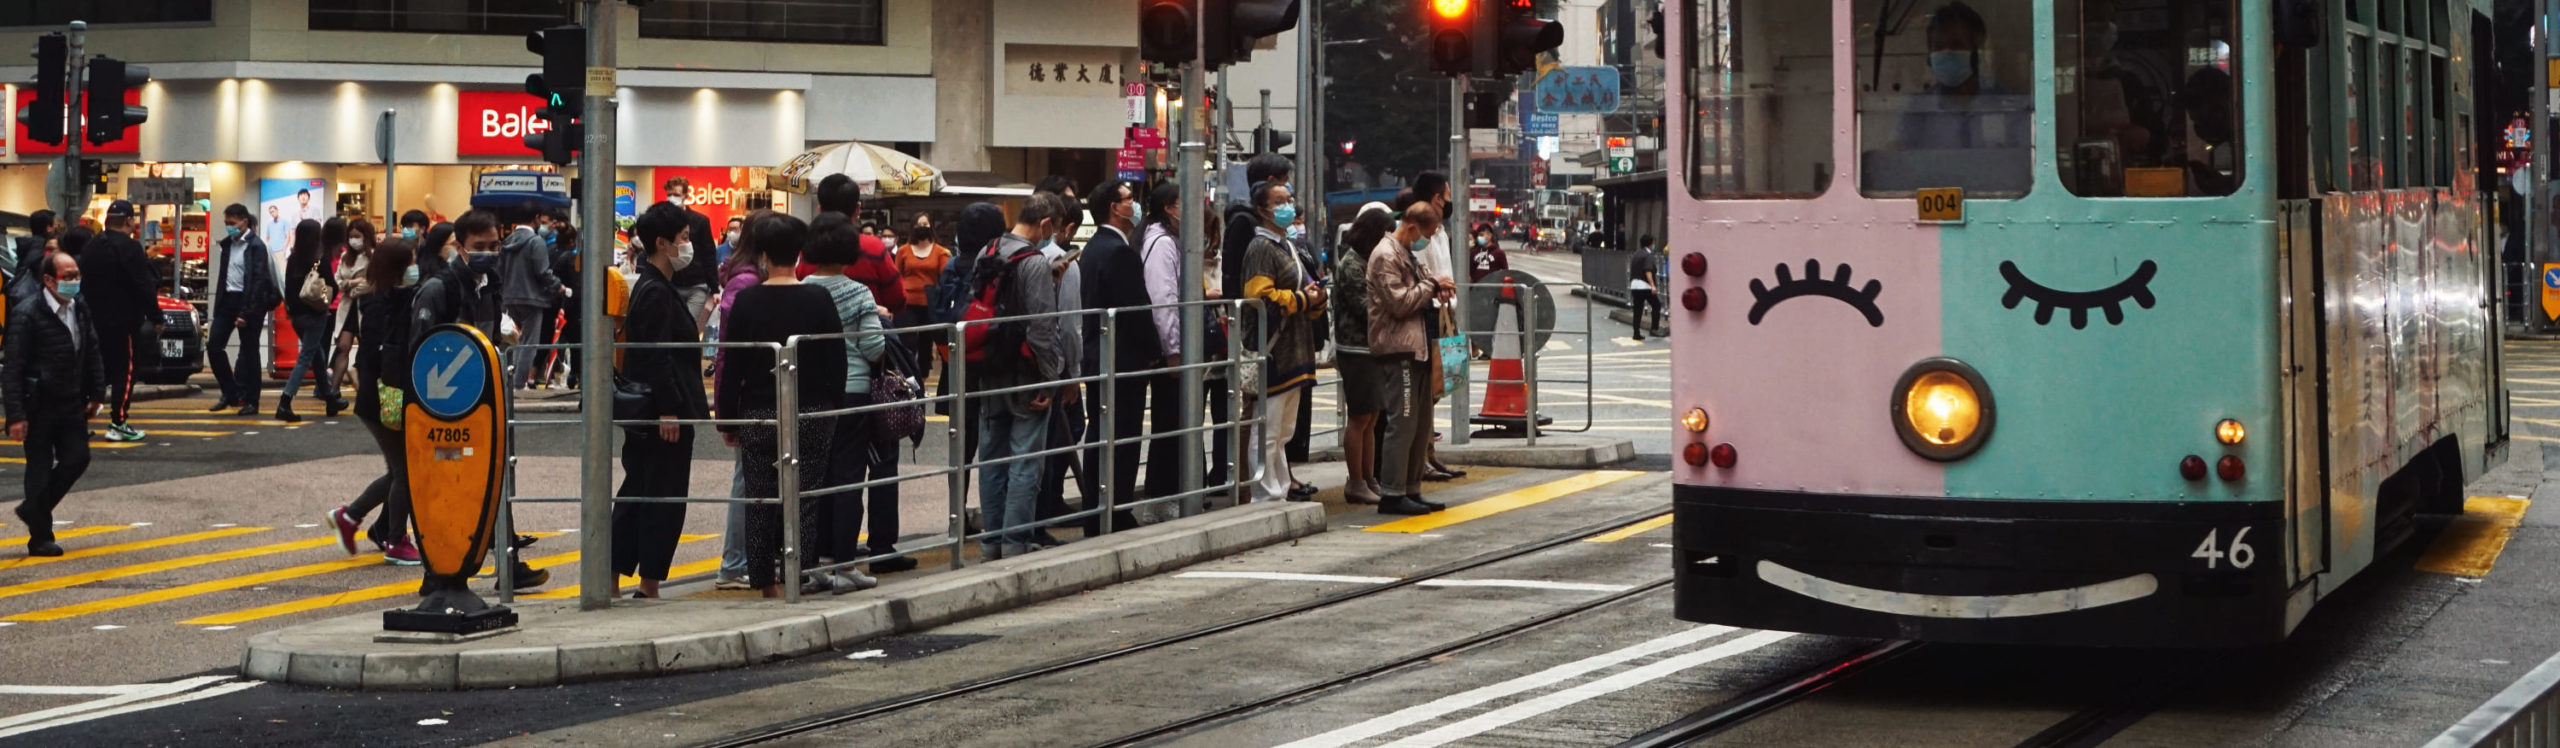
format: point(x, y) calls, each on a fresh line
point(1399, 294)
point(524, 277)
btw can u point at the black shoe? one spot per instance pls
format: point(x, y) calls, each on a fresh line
point(525, 541)
point(1434, 505)
point(43, 548)
point(336, 406)
point(223, 406)
point(893, 565)
point(1043, 539)
point(1302, 492)
point(249, 409)
point(528, 577)
point(1404, 506)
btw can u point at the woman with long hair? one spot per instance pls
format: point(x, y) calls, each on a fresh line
point(353, 284)
point(1363, 379)
point(382, 364)
point(1160, 251)
point(308, 264)
point(1291, 301)
point(1400, 294)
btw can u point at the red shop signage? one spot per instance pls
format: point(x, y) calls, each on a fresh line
point(125, 144)
point(494, 123)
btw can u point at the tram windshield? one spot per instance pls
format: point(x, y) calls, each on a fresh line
point(2147, 103)
point(1945, 96)
point(1760, 79)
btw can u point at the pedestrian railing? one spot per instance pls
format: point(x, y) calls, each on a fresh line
point(2525, 715)
point(1528, 335)
point(961, 402)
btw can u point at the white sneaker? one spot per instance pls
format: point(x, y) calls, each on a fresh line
point(849, 580)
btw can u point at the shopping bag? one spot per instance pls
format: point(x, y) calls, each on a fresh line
point(1453, 349)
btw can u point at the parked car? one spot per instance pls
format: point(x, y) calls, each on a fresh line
point(177, 355)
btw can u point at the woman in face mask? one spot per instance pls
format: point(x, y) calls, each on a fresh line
point(352, 287)
point(1400, 293)
point(1291, 301)
point(382, 366)
point(1486, 253)
point(307, 266)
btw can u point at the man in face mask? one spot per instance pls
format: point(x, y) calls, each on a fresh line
point(245, 296)
point(1961, 108)
point(57, 382)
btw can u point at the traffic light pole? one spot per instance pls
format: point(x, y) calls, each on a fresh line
point(74, 194)
point(1196, 217)
point(1455, 226)
point(595, 368)
point(1311, 149)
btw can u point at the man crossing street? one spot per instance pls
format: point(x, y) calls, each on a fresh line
point(57, 379)
point(125, 293)
point(245, 294)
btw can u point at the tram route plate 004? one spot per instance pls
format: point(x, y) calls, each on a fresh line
point(1940, 204)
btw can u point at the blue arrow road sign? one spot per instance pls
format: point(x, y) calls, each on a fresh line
point(2551, 278)
point(450, 373)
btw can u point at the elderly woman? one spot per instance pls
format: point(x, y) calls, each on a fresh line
point(1291, 302)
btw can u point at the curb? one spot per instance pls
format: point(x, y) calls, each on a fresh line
point(557, 644)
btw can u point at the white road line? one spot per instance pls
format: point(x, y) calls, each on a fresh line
point(144, 692)
point(69, 690)
point(1286, 576)
point(224, 689)
point(1476, 725)
point(1446, 705)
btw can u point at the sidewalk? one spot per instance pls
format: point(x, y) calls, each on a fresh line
point(555, 643)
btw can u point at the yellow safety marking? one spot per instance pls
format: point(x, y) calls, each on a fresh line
point(181, 562)
point(1630, 531)
point(13, 460)
point(678, 570)
point(70, 532)
point(81, 553)
point(199, 588)
point(395, 589)
point(2471, 543)
point(1487, 507)
point(92, 445)
point(175, 432)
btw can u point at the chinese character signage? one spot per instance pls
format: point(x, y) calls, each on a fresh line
point(1063, 70)
point(1577, 90)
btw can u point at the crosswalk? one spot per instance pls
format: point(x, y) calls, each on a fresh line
point(176, 424)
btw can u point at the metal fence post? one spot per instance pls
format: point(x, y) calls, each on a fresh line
point(786, 461)
point(956, 371)
point(503, 548)
point(1110, 415)
point(1528, 360)
point(1239, 433)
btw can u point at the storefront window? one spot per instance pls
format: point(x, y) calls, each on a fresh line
point(2151, 106)
point(808, 21)
point(97, 12)
point(1945, 94)
point(439, 16)
point(1760, 79)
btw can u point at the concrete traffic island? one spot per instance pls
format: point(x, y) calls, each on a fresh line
point(555, 643)
point(1555, 451)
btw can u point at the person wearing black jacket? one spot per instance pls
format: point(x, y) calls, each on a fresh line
point(29, 251)
point(125, 291)
point(306, 264)
point(381, 359)
point(1115, 278)
point(569, 307)
point(447, 294)
point(696, 281)
point(57, 379)
point(244, 295)
point(658, 462)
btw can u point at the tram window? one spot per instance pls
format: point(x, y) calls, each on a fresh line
point(2148, 105)
point(1760, 79)
point(1945, 96)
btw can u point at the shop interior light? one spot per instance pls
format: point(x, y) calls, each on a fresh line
point(1695, 420)
point(2229, 432)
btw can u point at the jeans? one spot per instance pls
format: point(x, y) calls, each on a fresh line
point(733, 536)
point(858, 458)
point(1007, 492)
point(391, 491)
point(240, 384)
point(314, 359)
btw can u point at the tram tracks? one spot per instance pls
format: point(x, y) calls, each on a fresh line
point(897, 704)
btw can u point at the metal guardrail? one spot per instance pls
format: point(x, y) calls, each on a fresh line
point(1242, 471)
point(1529, 355)
point(2525, 715)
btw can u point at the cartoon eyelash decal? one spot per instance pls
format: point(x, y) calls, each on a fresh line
point(1837, 287)
point(2136, 287)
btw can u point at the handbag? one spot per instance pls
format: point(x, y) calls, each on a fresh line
point(630, 400)
point(315, 288)
point(890, 383)
point(1453, 350)
point(392, 411)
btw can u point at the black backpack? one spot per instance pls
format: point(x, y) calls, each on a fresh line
point(949, 297)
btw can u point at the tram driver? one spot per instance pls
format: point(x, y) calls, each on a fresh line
point(1962, 128)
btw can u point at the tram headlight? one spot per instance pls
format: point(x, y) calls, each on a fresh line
point(2229, 432)
point(1942, 409)
point(1695, 420)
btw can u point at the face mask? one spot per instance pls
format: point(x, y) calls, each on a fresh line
point(1285, 215)
point(69, 289)
point(545, 232)
point(355, 243)
point(411, 234)
point(1420, 244)
point(409, 277)
point(231, 232)
point(1951, 68)
point(684, 254)
point(1481, 241)
point(729, 238)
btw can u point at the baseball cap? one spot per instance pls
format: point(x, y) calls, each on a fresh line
point(120, 209)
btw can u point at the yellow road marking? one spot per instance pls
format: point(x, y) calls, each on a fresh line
point(378, 592)
point(70, 532)
point(2471, 544)
point(678, 570)
point(1630, 531)
point(81, 553)
point(182, 562)
point(190, 590)
point(92, 445)
point(13, 460)
point(1487, 507)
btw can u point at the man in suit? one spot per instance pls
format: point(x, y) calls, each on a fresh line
point(1116, 278)
point(125, 293)
point(244, 296)
point(57, 379)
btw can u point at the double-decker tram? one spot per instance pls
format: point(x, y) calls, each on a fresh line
point(2084, 322)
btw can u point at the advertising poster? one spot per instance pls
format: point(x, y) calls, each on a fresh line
point(282, 203)
point(626, 210)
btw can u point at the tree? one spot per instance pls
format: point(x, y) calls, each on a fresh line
point(1380, 93)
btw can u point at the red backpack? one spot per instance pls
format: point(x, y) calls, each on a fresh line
point(996, 344)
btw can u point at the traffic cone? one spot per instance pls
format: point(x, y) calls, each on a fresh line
point(1506, 397)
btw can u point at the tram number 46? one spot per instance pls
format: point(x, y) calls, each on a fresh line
point(2214, 552)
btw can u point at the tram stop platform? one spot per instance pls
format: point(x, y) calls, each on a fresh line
point(556, 643)
point(1552, 452)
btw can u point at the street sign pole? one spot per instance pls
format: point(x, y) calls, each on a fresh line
point(1311, 150)
point(1455, 226)
point(1194, 222)
point(384, 133)
point(595, 367)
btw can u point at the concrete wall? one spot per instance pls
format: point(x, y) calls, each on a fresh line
point(1275, 69)
point(1078, 116)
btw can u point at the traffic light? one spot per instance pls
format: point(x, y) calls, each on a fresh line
point(43, 118)
point(1267, 140)
point(1453, 27)
point(562, 86)
point(109, 79)
point(1656, 24)
point(1513, 36)
point(1168, 31)
point(1229, 27)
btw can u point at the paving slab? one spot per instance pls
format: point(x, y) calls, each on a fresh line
point(557, 643)
point(1552, 452)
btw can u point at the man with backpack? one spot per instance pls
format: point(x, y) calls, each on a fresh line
point(1016, 281)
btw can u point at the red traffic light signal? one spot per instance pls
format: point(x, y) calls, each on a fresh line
point(1452, 25)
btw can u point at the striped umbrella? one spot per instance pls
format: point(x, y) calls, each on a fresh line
point(882, 172)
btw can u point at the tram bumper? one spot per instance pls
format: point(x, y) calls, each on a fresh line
point(2075, 573)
